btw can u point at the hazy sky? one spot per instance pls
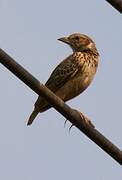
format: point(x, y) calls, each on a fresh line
point(28, 32)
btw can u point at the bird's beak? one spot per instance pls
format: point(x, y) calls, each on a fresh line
point(65, 40)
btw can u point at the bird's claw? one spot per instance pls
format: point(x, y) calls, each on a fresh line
point(71, 127)
point(65, 122)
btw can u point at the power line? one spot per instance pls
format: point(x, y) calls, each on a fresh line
point(70, 114)
point(117, 4)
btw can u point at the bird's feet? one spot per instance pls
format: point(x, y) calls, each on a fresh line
point(84, 118)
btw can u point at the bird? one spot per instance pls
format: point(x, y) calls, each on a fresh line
point(73, 75)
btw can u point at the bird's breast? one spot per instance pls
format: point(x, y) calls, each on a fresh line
point(87, 67)
point(75, 86)
point(79, 83)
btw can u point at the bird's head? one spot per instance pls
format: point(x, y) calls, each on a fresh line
point(79, 42)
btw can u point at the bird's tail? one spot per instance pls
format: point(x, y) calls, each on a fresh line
point(32, 116)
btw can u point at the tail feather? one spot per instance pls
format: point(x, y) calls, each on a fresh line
point(32, 116)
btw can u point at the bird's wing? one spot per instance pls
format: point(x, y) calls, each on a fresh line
point(66, 70)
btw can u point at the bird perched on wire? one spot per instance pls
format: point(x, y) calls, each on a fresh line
point(73, 75)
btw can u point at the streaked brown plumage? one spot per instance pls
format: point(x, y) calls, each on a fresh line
point(74, 74)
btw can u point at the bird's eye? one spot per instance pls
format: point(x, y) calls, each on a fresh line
point(76, 38)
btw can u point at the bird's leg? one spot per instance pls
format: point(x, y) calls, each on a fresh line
point(88, 121)
point(84, 118)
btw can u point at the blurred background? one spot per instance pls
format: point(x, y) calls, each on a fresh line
point(28, 32)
